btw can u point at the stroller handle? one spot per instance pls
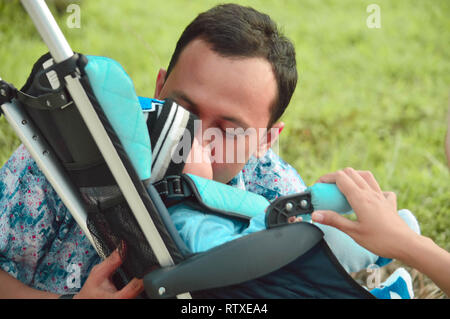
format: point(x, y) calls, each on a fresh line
point(48, 29)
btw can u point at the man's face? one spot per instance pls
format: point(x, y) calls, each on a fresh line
point(225, 93)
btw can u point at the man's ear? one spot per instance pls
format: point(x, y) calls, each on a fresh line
point(161, 78)
point(267, 140)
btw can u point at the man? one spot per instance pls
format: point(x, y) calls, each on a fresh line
point(250, 70)
point(233, 69)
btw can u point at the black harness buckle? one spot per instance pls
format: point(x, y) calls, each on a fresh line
point(172, 187)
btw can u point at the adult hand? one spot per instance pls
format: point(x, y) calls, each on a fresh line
point(378, 227)
point(99, 285)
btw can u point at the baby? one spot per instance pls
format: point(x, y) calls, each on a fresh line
point(203, 231)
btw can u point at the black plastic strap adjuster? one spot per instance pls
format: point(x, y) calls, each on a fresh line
point(172, 187)
point(49, 101)
point(284, 207)
point(70, 66)
point(7, 92)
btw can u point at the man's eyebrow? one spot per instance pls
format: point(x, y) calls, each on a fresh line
point(236, 121)
point(193, 107)
point(177, 95)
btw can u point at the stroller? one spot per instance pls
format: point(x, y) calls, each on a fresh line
point(67, 117)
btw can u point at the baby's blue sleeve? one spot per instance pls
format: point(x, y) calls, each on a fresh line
point(201, 232)
point(350, 254)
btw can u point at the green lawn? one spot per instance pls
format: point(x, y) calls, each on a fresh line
point(373, 99)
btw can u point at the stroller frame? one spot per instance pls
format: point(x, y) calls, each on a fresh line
point(60, 50)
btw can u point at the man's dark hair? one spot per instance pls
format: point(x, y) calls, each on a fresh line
point(236, 31)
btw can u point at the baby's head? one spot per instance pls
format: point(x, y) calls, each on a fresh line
point(198, 161)
point(172, 139)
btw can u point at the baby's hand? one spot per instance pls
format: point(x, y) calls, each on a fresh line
point(198, 161)
point(294, 219)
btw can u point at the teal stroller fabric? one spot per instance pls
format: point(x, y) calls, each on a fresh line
point(115, 91)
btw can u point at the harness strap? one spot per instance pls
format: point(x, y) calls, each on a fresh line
point(210, 196)
point(48, 102)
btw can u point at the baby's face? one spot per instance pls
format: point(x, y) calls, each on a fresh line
point(199, 160)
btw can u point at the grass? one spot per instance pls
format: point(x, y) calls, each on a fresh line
point(373, 99)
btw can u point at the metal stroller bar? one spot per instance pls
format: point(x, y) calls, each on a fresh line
point(39, 150)
point(60, 51)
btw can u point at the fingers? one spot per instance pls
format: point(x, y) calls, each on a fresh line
point(356, 177)
point(329, 178)
point(334, 177)
point(131, 290)
point(107, 267)
point(294, 219)
point(371, 181)
point(330, 218)
point(99, 283)
point(363, 179)
point(347, 186)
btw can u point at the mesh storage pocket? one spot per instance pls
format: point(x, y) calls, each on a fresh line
point(114, 226)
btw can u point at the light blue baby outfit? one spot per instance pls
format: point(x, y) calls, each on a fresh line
point(202, 231)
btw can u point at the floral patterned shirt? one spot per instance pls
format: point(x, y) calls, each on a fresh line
point(41, 244)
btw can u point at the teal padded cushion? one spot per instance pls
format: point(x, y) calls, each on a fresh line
point(115, 92)
point(227, 198)
point(328, 197)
